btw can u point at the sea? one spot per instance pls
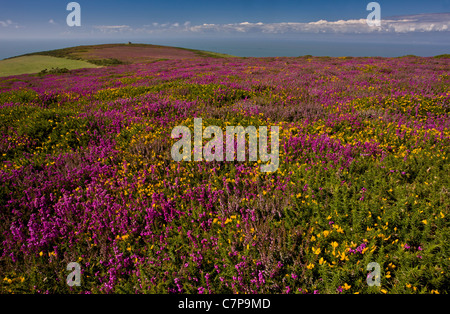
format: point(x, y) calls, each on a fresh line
point(247, 47)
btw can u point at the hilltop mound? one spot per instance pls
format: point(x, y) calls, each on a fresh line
point(97, 55)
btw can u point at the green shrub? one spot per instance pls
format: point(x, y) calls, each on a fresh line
point(53, 71)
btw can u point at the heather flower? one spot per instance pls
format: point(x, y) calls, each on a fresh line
point(86, 171)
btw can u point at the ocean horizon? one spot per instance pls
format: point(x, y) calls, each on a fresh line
point(245, 47)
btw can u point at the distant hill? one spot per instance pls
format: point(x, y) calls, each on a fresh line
point(97, 55)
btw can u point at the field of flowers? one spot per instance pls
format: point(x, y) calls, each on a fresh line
point(87, 176)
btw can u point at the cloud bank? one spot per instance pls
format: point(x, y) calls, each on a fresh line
point(9, 23)
point(406, 24)
point(420, 23)
point(400, 24)
point(113, 28)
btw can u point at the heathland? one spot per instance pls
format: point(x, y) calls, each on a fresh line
point(87, 175)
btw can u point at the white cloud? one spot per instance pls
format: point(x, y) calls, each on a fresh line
point(404, 24)
point(153, 27)
point(51, 21)
point(5, 23)
point(113, 28)
point(9, 23)
point(399, 24)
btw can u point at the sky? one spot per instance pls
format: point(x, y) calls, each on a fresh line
point(238, 27)
point(138, 18)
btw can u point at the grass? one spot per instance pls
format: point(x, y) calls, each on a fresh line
point(209, 54)
point(75, 57)
point(443, 56)
point(35, 64)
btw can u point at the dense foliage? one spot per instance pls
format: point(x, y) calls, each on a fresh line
point(86, 176)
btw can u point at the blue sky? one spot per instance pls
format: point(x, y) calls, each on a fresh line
point(139, 18)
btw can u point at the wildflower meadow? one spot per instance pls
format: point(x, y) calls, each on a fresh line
point(87, 177)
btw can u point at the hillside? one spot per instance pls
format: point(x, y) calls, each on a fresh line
point(97, 55)
point(37, 63)
point(90, 173)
